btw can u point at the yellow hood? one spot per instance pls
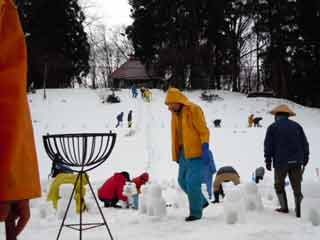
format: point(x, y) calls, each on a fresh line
point(174, 95)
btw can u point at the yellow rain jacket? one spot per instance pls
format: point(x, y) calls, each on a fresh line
point(18, 161)
point(194, 128)
point(67, 178)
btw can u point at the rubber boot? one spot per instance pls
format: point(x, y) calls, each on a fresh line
point(297, 201)
point(216, 197)
point(221, 191)
point(282, 197)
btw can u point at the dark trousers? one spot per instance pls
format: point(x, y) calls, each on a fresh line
point(7, 215)
point(109, 203)
point(294, 174)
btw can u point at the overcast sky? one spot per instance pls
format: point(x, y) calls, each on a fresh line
point(111, 12)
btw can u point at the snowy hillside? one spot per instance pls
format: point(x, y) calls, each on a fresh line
point(148, 148)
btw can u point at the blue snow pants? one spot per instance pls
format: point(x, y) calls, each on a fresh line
point(190, 178)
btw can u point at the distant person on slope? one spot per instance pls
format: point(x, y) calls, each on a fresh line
point(286, 146)
point(119, 119)
point(190, 148)
point(18, 161)
point(130, 119)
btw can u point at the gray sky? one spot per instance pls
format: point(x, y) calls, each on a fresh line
point(111, 12)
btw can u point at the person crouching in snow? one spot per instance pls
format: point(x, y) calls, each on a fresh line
point(224, 174)
point(139, 181)
point(190, 148)
point(112, 190)
point(209, 170)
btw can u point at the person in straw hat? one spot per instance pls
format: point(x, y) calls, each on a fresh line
point(287, 148)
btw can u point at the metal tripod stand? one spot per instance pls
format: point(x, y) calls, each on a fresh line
point(81, 152)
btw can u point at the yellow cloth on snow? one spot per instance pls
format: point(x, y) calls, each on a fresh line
point(67, 178)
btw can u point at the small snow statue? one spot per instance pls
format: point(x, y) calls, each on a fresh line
point(156, 203)
point(252, 197)
point(180, 199)
point(234, 206)
point(143, 202)
point(204, 191)
point(311, 202)
point(130, 133)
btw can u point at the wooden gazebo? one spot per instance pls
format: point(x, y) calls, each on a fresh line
point(134, 72)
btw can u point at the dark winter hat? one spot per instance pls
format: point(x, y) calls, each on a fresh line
point(126, 175)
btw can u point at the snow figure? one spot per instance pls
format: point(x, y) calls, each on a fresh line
point(130, 133)
point(310, 204)
point(252, 197)
point(45, 184)
point(130, 190)
point(65, 192)
point(45, 210)
point(234, 206)
point(265, 187)
point(143, 202)
point(175, 197)
point(180, 200)
point(156, 204)
point(205, 192)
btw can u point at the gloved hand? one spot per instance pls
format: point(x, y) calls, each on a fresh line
point(268, 166)
point(205, 153)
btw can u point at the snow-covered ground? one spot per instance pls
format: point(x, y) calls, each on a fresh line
point(148, 148)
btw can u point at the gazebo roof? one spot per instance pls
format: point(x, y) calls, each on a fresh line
point(133, 69)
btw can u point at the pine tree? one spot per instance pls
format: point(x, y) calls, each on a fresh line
point(58, 48)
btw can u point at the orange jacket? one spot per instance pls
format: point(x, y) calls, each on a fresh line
point(18, 161)
point(194, 128)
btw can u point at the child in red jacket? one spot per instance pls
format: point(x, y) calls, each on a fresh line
point(112, 190)
point(139, 181)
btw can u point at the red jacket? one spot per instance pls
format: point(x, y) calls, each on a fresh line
point(113, 188)
point(139, 181)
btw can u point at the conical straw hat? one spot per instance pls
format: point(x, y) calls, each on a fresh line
point(284, 109)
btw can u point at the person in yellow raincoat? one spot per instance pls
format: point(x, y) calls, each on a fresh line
point(190, 148)
point(68, 178)
point(18, 161)
point(148, 95)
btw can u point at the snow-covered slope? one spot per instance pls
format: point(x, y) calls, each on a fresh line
point(148, 148)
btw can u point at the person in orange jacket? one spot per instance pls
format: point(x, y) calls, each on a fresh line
point(18, 161)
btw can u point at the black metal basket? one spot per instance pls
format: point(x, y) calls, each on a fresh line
point(81, 152)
